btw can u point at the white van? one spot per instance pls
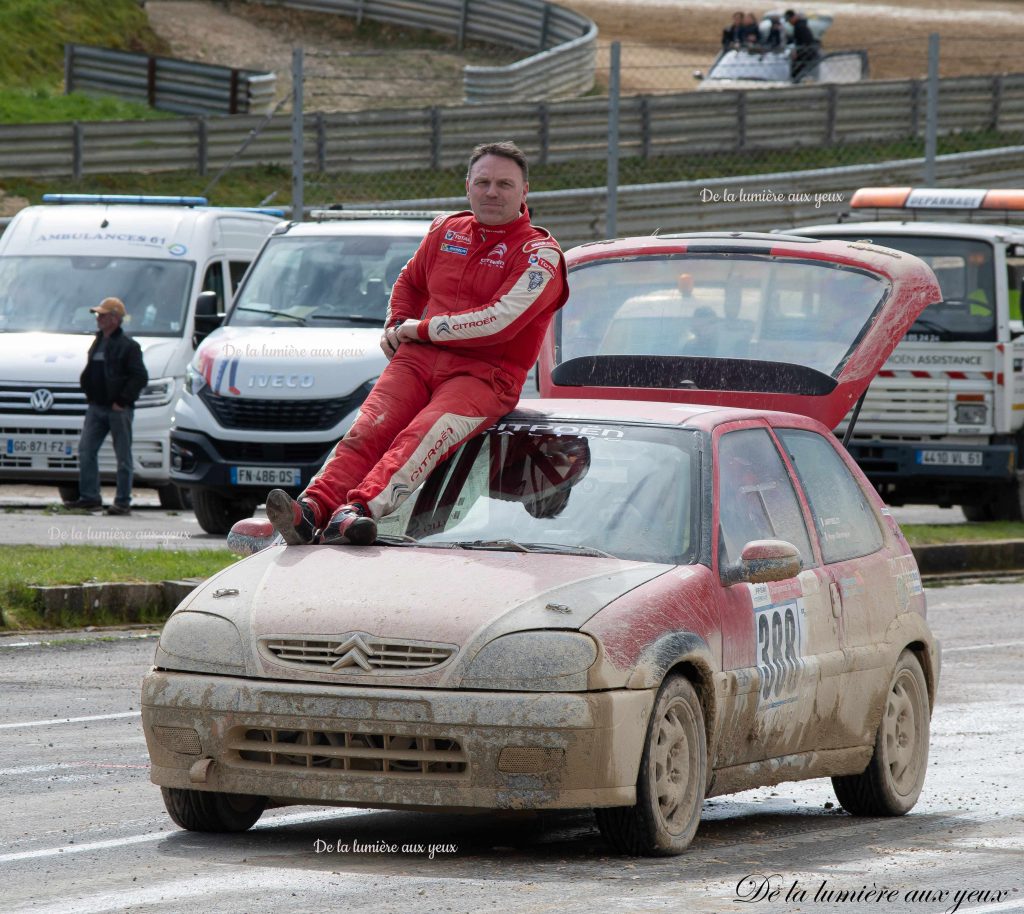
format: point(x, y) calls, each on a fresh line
point(273, 390)
point(59, 260)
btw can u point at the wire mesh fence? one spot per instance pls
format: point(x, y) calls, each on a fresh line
point(764, 114)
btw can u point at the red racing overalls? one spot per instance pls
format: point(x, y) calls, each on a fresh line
point(484, 296)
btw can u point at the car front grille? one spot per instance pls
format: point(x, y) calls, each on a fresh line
point(341, 750)
point(281, 415)
point(269, 452)
point(357, 653)
point(64, 400)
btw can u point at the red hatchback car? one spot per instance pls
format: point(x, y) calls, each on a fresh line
point(674, 584)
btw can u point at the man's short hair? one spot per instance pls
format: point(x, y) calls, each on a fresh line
point(507, 150)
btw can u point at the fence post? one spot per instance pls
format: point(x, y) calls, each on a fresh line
point(932, 121)
point(741, 119)
point(321, 142)
point(233, 92)
point(151, 81)
point(833, 111)
point(77, 150)
point(997, 101)
point(298, 160)
point(435, 137)
point(612, 211)
point(645, 127)
point(915, 107)
point(463, 16)
point(544, 129)
point(202, 145)
point(69, 69)
point(545, 23)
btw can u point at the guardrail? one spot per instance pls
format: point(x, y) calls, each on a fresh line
point(796, 197)
point(181, 86)
point(565, 42)
point(572, 130)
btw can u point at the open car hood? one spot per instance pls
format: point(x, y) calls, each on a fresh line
point(733, 319)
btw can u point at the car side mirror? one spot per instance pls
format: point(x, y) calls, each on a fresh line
point(762, 561)
point(207, 317)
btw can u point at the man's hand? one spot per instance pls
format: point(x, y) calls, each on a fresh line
point(117, 407)
point(405, 332)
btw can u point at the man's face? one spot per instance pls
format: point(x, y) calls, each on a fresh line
point(496, 190)
point(107, 322)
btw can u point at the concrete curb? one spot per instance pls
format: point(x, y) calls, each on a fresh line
point(124, 602)
point(129, 603)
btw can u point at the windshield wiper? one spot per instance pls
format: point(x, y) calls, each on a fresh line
point(292, 317)
point(508, 545)
point(395, 539)
point(354, 318)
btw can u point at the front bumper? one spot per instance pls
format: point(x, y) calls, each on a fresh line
point(380, 747)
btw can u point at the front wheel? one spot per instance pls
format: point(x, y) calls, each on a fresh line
point(216, 513)
point(207, 810)
point(671, 783)
point(892, 782)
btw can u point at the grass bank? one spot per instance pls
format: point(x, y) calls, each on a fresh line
point(935, 534)
point(23, 566)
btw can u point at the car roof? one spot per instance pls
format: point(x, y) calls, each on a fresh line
point(413, 228)
point(783, 387)
point(643, 412)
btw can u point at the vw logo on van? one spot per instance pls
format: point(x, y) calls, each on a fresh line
point(41, 400)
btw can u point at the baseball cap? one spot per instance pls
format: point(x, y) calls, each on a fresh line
point(109, 306)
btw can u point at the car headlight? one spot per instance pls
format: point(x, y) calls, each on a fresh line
point(971, 413)
point(194, 380)
point(200, 643)
point(157, 393)
point(541, 661)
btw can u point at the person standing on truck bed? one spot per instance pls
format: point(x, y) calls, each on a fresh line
point(113, 378)
point(463, 328)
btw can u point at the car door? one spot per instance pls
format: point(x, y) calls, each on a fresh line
point(865, 578)
point(776, 634)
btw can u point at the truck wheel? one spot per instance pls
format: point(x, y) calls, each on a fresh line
point(892, 782)
point(173, 498)
point(978, 513)
point(208, 810)
point(670, 786)
point(216, 513)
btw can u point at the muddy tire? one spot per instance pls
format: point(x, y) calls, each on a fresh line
point(671, 783)
point(891, 783)
point(203, 810)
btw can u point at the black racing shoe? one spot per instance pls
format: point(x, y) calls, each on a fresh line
point(294, 520)
point(350, 524)
point(83, 503)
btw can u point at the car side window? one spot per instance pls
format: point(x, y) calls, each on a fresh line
point(213, 281)
point(237, 270)
point(847, 527)
point(756, 497)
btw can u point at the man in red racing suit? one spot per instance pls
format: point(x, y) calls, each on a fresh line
point(463, 328)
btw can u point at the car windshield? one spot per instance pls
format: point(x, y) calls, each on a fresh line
point(548, 485)
point(322, 281)
point(734, 306)
point(966, 275)
point(54, 294)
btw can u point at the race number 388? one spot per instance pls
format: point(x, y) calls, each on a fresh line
point(778, 650)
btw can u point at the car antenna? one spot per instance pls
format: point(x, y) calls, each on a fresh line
point(853, 419)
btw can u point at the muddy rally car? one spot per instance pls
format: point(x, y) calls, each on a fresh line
point(664, 582)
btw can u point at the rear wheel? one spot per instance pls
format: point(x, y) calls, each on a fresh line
point(216, 513)
point(892, 782)
point(671, 783)
point(978, 513)
point(202, 810)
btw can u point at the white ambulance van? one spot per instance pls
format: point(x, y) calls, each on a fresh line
point(271, 392)
point(58, 260)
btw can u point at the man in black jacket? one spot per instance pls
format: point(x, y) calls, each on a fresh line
point(113, 379)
